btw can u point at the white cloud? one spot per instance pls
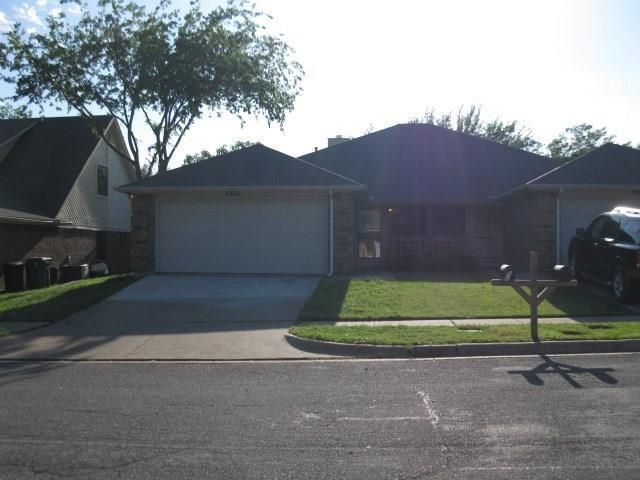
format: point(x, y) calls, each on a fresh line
point(28, 13)
point(5, 24)
point(41, 3)
point(74, 9)
point(55, 12)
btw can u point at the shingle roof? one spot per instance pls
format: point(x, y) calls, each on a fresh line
point(255, 166)
point(42, 166)
point(425, 163)
point(610, 164)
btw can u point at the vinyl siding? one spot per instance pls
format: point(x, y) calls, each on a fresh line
point(85, 208)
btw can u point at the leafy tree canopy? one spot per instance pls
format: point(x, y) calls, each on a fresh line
point(159, 66)
point(469, 120)
point(8, 111)
point(206, 155)
point(578, 140)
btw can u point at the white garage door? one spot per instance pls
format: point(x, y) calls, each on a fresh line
point(579, 212)
point(242, 236)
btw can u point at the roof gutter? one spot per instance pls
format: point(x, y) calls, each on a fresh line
point(205, 189)
point(54, 222)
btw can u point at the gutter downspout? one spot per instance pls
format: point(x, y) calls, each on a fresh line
point(558, 223)
point(330, 233)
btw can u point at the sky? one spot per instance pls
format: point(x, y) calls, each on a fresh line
point(549, 64)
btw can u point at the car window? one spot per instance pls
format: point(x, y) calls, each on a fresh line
point(630, 231)
point(610, 229)
point(595, 229)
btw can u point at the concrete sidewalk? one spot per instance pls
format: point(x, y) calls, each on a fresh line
point(452, 322)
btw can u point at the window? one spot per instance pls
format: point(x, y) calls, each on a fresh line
point(449, 221)
point(610, 229)
point(103, 180)
point(630, 231)
point(101, 246)
point(595, 229)
point(369, 234)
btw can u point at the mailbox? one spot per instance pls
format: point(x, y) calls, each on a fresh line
point(561, 272)
point(507, 273)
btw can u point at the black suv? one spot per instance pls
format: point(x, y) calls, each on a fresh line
point(609, 251)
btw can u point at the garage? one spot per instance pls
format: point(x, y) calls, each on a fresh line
point(250, 211)
point(578, 212)
point(229, 235)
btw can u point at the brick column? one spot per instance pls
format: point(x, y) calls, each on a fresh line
point(344, 233)
point(143, 229)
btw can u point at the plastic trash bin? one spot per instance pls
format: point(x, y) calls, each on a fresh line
point(54, 274)
point(69, 273)
point(13, 276)
point(38, 272)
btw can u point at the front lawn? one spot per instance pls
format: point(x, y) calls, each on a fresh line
point(59, 301)
point(405, 335)
point(343, 298)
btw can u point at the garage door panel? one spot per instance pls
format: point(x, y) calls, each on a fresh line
point(242, 236)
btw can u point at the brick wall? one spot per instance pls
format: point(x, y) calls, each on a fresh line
point(530, 224)
point(143, 216)
point(118, 251)
point(18, 242)
point(344, 231)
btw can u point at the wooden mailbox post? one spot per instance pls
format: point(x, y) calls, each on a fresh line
point(538, 289)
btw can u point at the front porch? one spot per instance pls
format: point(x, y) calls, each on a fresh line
point(428, 237)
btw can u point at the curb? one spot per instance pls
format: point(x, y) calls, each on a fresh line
point(462, 349)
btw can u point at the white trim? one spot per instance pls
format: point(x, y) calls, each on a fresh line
point(558, 223)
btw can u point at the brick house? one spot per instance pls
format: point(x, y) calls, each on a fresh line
point(412, 196)
point(57, 196)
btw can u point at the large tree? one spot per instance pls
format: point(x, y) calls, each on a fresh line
point(469, 120)
point(578, 140)
point(159, 67)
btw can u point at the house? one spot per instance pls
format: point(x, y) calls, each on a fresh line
point(57, 196)
point(412, 196)
point(544, 213)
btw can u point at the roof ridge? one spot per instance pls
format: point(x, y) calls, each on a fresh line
point(475, 137)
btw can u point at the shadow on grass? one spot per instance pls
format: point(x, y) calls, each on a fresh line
point(326, 300)
point(565, 371)
point(61, 306)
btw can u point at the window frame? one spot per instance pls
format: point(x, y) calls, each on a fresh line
point(364, 232)
point(102, 169)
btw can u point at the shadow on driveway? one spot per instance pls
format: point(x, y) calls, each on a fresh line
point(186, 317)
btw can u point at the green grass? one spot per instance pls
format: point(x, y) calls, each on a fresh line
point(405, 335)
point(59, 301)
point(377, 298)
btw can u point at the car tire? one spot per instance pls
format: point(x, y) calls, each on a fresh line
point(574, 268)
point(620, 285)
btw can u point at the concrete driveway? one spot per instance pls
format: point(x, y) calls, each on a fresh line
point(171, 317)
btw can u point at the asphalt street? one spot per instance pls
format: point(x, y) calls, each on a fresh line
point(569, 417)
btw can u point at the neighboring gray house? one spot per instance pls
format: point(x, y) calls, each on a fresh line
point(57, 195)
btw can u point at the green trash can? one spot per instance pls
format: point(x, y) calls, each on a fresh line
point(37, 272)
